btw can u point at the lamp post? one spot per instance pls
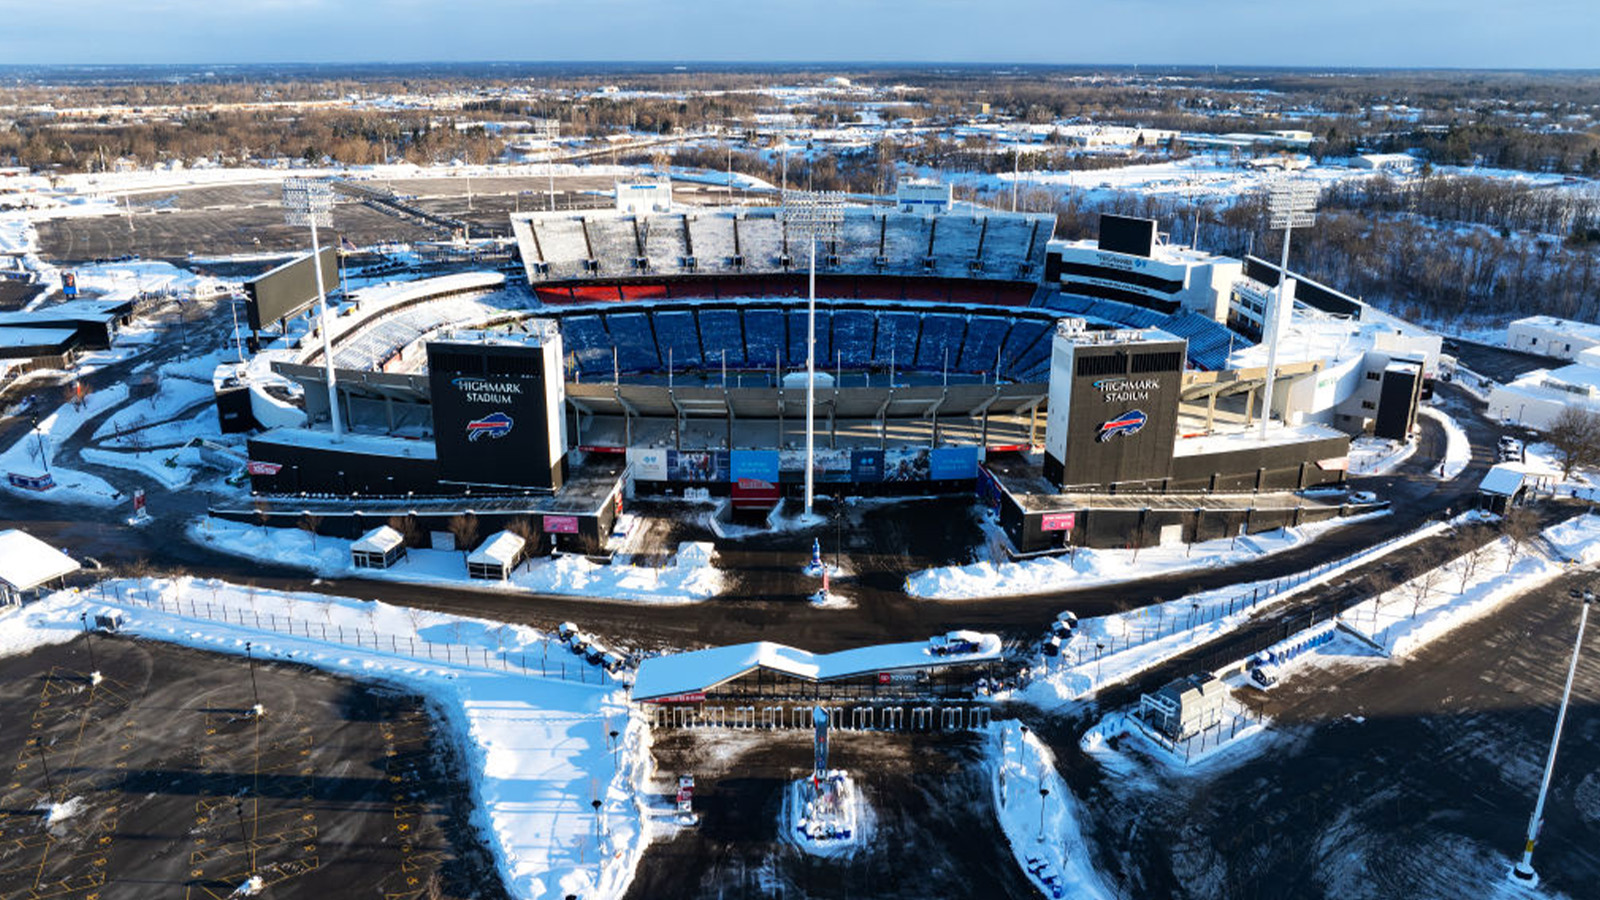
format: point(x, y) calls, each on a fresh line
point(94, 674)
point(1523, 870)
point(812, 214)
point(1290, 202)
point(309, 201)
point(1043, 793)
point(258, 709)
point(44, 458)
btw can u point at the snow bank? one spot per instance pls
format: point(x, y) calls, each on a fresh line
point(1086, 567)
point(536, 747)
point(1234, 739)
point(1055, 856)
point(689, 577)
point(24, 454)
point(1378, 456)
point(1434, 603)
point(1458, 449)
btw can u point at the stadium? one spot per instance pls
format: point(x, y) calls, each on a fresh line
point(662, 350)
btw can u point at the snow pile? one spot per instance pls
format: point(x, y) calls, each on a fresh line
point(1085, 567)
point(690, 576)
point(23, 456)
point(536, 748)
point(1408, 617)
point(1055, 856)
point(1458, 449)
point(831, 819)
point(1378, 456)
point(1232, 738)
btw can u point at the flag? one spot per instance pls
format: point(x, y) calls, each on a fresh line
point(346, 246)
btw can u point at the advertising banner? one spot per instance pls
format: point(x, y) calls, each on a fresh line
point(697, 465)
point(832, 465)
point(490, 428)
point(866, 466)
point(758, 465)
point(953, 463)
point(907, 464)
point(1058, 521)
point(560, 524)
point(649, 464)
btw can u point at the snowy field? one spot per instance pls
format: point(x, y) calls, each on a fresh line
point(537, 748)
point(1378, 456)
point(688, 577)
point(1087, 567)
point(34, 452)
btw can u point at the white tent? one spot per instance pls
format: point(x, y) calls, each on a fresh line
point(496, 556)
point(379, 548)
point(26, 563)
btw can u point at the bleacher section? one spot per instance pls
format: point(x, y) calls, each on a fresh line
point(376, 346)
point(854, 336)
point(557, 247)
point(1210, 342)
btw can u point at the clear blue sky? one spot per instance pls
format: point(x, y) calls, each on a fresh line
point(1452, 33)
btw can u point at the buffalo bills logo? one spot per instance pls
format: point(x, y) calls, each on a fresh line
point(1128, 423)
point(493, 426)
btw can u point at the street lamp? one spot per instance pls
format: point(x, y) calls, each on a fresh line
point(94, 674)
point(1290, 202)
point(44, 457)
point(1043, 793)
point(812, 214)
point(258, 709)
point(1523, 870)
point(309, 201)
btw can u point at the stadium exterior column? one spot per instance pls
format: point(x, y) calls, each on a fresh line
point(811, 373)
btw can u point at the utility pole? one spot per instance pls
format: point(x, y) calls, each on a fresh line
point(258, 709)
point(1523, 870)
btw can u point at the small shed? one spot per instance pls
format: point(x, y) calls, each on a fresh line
point(1185, 707)
point(496, 557)
point(28, 564)
point(379, 548)
point(1511, 484)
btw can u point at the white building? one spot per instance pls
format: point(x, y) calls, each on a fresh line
point(643, 198)
point(1535, 400)
point(1165, 278)
point(1549, 336)
point(924, 196)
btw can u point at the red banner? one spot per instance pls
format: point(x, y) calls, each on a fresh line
point(1058, 521)
point(262, 468)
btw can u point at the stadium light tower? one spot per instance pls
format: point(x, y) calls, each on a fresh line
point(1290, 202)
point(309, 201)
point(812, 214)
point(1523, 870)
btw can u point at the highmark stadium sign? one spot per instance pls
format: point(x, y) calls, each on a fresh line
point(1126, 390)
point(481, 390)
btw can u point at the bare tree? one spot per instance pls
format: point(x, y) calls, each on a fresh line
point(1420, 589)
point(407, 527)
point(1575, 435)
point(1520, 526)
point(465, 529)
point(1473, 559)
point(308, 523)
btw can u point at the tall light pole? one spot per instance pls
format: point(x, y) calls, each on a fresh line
point(309, 201)
point(1523, 870)
point(1290, 202)
point(812, 214)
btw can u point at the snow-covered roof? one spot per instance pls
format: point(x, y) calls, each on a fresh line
point(350, 442)
point(379, 540)
point(27, 562)
point(500, 548)
point(1567, 326)
point(682, 673)
point(13, 338)
point(1506, 479)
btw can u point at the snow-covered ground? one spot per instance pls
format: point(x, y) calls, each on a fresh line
point(24, 455)
point(535, 746)
point(1046, 842)
point(1408, 617)
point(690, 576)
point(1235, 737)
point(1378, 456)
point(1458, 448)
point(1086, 567)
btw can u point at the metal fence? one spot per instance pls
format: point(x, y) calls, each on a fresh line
point(412, 646)
point(924, 718)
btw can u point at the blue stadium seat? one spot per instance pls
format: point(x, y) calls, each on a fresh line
point(763, 337)
point(897, 339)
point(720, 331)
point(797, 339)
point(677, 340)
point(585, 339)
point(1024, 347)
point(636, 347)
point(852, 337)
point(940, 346)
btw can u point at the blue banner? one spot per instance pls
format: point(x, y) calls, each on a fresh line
point(954, 463)
point(761, 465)
point(866, 466)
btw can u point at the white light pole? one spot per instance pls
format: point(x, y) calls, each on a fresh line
point(1290, 203)
point(309, 201)
point(1523, 870)
point(812, 214)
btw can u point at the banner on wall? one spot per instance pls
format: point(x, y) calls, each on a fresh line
point(648, 464)
point(831, 465)
point(758, 465)
point(907, 464)
point(953, 463)
point(702, 466)
point(866, 466)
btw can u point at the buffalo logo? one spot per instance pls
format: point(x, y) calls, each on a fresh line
point(493, 426)
point(1128, 423)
